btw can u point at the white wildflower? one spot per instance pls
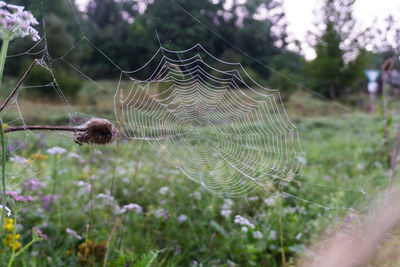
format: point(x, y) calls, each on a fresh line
point(74, 155)
point(243, 221)
point(244, 229)
point(257, 235)
point(160, 212)
point(228, 202)
point(226, 212)
point(132, 207)
point(269, 201)
point(163, 190)
point(252, 199)
point(195, 195)
point(20, 160)
point(298, 236)
point(83, 184)
point(226, 207)
point(15, 22)
point(56, 150)
point(272, 235)
point(301, 160)
point(106, 197)
point(182, 218)
point(361, 166)
point(121, 171)
point(7, 210)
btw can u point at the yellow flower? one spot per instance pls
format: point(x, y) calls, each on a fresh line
point(38, 156)
point(17, 245)
point(5, 126)
point(8, 241)
point(8, 226)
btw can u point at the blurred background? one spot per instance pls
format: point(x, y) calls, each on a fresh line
point(323, 45)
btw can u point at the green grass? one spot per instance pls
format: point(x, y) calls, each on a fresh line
point(344, 156)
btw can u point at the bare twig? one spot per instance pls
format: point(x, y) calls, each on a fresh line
point(18, 85)
point(95, 131)
point(44, 128)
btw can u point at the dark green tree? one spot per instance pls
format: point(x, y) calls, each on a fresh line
point(341, 59)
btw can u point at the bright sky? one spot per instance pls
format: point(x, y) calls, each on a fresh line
point(300, 17)
point(299, 14)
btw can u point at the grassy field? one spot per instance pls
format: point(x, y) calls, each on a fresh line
point(177, 222)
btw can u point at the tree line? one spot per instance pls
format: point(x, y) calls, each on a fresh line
point(125, 31)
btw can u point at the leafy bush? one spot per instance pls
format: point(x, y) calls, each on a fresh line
point(46, 87)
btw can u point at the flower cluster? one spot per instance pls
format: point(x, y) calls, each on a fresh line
point(16, 22)
point(182, 218)
point(20, 160)
point(243, 222)
point(8, 241)
point(73, 233)
point(48, 200)
point(9, 238)
point(19, 198)
point(160, 212)
point(132, 207)
point(56, 150)
point(226, 208)
point(33, 184)
point(39, 234)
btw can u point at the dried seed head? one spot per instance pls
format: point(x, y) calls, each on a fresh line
point(96, 131)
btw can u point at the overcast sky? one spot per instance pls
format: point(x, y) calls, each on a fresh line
point(300, 17)
point(299, 14)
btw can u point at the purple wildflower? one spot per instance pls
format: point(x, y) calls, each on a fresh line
point(33, 184)
point(40, 233)
point(73, 233)
point(47, 200)
point(12, 194)
point(21, 198)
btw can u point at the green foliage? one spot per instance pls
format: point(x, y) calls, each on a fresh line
point(69, 83)
point(340, 60)
point(289, 74)
point(145, 260)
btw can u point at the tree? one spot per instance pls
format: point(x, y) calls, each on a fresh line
point(341, 59)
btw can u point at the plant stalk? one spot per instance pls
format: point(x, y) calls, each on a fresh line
point(18, 85)
point(281, 231)
point(3, 54)
point(393, 166)
point(44, 128)
point(3, 175)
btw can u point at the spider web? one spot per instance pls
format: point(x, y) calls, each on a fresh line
point(205, 116)
point(211, 120)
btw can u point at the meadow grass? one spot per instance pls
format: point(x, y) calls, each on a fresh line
point(181, 224)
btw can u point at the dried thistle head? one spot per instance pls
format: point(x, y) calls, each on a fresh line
point(96, 131)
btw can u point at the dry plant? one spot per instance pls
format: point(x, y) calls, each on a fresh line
point(357, 243)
